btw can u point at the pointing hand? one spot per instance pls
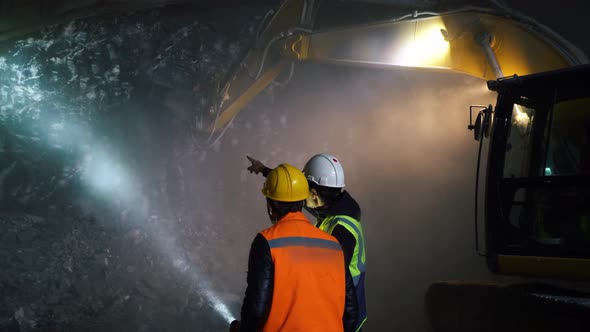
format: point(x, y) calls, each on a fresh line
point(256, 166)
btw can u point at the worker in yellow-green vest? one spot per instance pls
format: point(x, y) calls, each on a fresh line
point(337, 213)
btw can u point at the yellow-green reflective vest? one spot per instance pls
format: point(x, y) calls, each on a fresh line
point(357, 263)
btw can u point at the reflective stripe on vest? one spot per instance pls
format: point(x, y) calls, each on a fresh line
point(357, 263)
point(303, 242)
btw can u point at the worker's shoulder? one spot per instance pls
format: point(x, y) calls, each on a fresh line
point(344, 217)
point(316, 232)
point(295, 227)
point(347, 206)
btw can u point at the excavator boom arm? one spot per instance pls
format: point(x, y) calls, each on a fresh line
point(474, 41)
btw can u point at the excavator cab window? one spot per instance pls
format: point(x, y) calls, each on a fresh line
point(519, 146)
point(544, 196)
point(568, 152)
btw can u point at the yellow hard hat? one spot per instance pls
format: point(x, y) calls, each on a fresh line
point(286, 183)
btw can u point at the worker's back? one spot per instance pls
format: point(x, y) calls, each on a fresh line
point(309, 277)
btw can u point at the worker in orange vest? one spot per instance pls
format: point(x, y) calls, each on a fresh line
point(337, 213)
point(297, 276)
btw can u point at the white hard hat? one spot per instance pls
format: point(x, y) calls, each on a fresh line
point(325, 170)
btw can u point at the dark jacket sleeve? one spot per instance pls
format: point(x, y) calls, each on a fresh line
point(351, 309)
point(259, 291)
point(347, 242)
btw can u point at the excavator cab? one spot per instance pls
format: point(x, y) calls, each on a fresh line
point(537, 194)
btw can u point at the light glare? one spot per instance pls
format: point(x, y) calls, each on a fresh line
point(427, 47)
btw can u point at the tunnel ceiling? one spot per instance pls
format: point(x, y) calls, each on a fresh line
point(20, 18)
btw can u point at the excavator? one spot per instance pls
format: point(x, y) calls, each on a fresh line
point(536, 210)
point(536, 213)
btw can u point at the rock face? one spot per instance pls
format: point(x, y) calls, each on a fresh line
point(94, 229)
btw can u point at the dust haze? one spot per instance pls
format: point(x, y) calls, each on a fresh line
point(409, 160)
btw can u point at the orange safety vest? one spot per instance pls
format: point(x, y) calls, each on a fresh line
point(309, 277)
